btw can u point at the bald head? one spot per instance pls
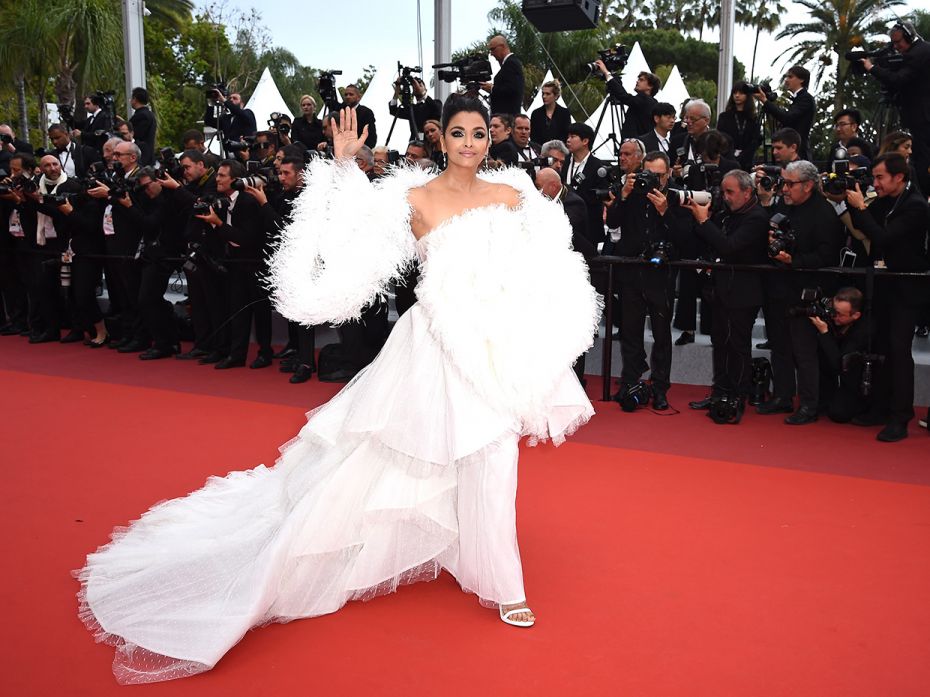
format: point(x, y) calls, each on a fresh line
point(548, 182)
point(497, 47)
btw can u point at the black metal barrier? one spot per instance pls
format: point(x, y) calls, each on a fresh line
point(611, 262)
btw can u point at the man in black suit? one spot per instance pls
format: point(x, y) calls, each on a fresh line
point(580, 175)
point(659, 138)
point(75, 159)
point(235, 121)
point(800, 115)
point(363, 115)
point(527, 149)
point(639, 105)
point(10, 144)
point(507, 88)
point(741, 238)
point(910, 83)
point(94, 130)
point(143, 125)
point(683, 145)
point(242, 227)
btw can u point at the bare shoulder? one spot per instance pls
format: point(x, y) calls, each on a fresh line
point(503, 193)
point(418, 199)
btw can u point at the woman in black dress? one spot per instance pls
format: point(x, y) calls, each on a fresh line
point(740, 123)
point(551, 120)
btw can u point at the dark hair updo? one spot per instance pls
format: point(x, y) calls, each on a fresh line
point(458, 103)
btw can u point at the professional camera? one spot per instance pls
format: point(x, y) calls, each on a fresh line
point(326, 86)
point(6, 139)
point(835, 183)
point(279, 123)
point(469, 71)
point(632, 397)
point(726, 409)
point(709, 172)
point(197, 258)
point(215, 91)
point(614, 58)
point(865, 362)
point(261, 178)
point(107, 102)
point(535, 163)
point(66, 115)
point(233, 146)
point(614, 176)
point(58, 199)
point(405, 78)
point(813, 304)
point(658, 253)
point(203, 205)
point(782, 235)
point(886, 57)
point(646, 181)
point(751, 89)
point(771, 177)
point(678, 197)
point(168, 164)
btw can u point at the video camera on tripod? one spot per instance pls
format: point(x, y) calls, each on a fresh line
point(405, 80)
point(613, 57)
point(886, 56)
point(469, 71)
point(326, 86)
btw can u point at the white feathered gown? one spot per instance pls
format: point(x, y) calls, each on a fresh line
point(408, 470)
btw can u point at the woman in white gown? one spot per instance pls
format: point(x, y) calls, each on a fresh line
point(411, 468)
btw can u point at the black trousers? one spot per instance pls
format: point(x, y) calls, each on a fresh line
point(157, 313)
point(637, 302)
point(248, 301)
point(691, 286)
point(731, 336)
point(207, 289)
point(85, 273)
point(895, 388)
point(306, 346)
point(12, 287)
point(124, 278)
point(52, 307)
point(795, 362)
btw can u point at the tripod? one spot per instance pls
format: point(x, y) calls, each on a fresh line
point(885, 118)
point(218, 136)
point(616, 125)
point(406, 104)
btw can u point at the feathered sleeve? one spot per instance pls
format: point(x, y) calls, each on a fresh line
point(346, 240)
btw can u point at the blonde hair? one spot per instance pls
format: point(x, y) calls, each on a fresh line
point(307, 96)
point(553, 85)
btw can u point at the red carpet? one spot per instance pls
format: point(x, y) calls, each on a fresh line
point(663, 555)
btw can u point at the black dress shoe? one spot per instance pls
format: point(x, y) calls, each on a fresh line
point(154, 353)
point(764, 345)
point(301, 374)
point(659, 400)
point(775, 406)
point(44, 337)
point(230, 362)
point(685, 338)
point(289, 365)
point(285, 352)
point(132, 347)
point(72, 338)
point(261, 361)
point(26, 332)
point(892, 433)
point(701, 403)
point(212, 357)
point(12, 330)
point(193, 354)
point(803, 416)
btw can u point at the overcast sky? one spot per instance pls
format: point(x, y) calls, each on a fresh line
point(383, 32)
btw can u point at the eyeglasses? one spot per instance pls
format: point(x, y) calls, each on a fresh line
point(789, 183)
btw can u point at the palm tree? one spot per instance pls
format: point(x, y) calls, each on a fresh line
point(836, 26)
point(700, 14)
point(764, 15)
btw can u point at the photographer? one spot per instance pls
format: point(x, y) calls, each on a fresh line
point(648, 226)
point(800, 115)
point(161, 216)
point(639, 105)
point(910, 84)
point(580, 175)
point(205, 272)
point(193, 140)
point(503, 148)
point(846, 124)
point(424, 107)
point(308, 128)
point(363, 115)
point(235, 121)
point(10, 144)
point(843, 340)
point(551, 120)
point(808, 238)
point(277, 214)
point(896, 225)
point(17, 239)
point(739, 239)
point(785, 145)
point(507, 89)
point(75, 159)
point(144, 126)
point(95, 129)
point(243, 230)
point(697, 122)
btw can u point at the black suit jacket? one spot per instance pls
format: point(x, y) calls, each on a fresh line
point(639, 106)
point(235, 124)
point(99, 122)
point(744, 134)
point(310, 134)
point(584, 183)
point(83, 157)
point(143, 128)
point(910, 81)
point(543, 130)
point(507, 95)
point(799, 116)
point(246, 231)
point(651, 142)
point(577, 213)
point(6, 156)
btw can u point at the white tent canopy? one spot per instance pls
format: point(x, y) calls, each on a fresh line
point(635, 64)
point(674, 91)
point(537, 100)
point(266, 99)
